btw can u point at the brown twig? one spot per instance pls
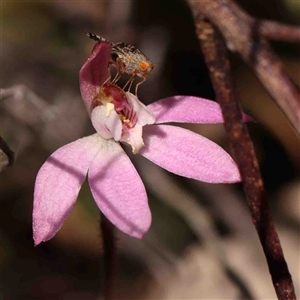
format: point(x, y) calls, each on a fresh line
point(279, 32)
point(6, 149)
point(242, 35)
point(215, 54)
point(110, 256)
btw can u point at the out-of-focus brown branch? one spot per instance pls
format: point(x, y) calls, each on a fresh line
point(215, 54)
point(243, 34)
point(279, 32)
point(6, 149)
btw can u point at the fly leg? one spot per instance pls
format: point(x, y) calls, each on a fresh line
point(109, 77)
point(136, 87)
point(130, 81)
point(120, 70)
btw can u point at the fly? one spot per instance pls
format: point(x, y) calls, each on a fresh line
point(127, 59)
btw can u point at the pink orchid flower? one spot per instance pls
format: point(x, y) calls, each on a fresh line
point(115, 184)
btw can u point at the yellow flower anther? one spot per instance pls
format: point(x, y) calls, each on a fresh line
point(108, 108)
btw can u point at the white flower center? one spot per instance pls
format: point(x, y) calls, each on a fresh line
point(121, 116)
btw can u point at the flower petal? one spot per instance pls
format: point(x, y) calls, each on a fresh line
point(188, 154)
point(106, 122)
point(58, 183)
point(140, 115)
point(94, 72)
point(133, 137)
point(144, 115)
point(188, 109)
point(119, 191)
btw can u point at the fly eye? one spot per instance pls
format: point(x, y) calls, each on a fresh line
point(143, 65)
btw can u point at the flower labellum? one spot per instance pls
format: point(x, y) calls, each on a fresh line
point(119, 117)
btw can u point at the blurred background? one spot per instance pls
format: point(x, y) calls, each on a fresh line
point(202, 244)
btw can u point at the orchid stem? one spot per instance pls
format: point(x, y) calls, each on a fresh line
point(110, 256)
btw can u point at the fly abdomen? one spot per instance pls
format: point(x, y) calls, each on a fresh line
point(96, 37)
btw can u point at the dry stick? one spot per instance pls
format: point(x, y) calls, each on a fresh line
point(279, 32)
point(215, 54)
point(5, 148)
point(110, 256)
point(242, 35)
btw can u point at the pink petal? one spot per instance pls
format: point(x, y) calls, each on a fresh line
point(106, 123)
point(58, 183)
point(134, 138)
point(94, 72)
point(187, 109)
point(144, 116)
point(188, 154)
point(119, 191)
